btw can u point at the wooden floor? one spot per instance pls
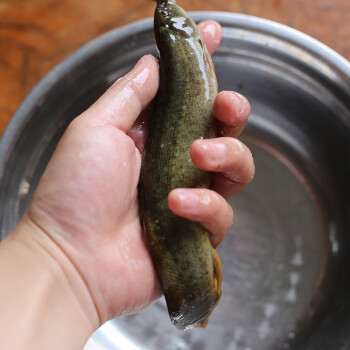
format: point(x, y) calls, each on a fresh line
point(35, 35)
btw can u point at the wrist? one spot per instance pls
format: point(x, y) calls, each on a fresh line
point(44, 296)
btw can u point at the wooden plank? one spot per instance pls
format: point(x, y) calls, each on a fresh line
point(35, 35)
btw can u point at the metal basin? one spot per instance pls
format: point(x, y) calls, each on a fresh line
point(286, 260)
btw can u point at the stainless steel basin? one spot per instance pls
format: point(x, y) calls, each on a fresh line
point(287, 258)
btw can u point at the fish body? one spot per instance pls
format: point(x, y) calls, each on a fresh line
point(187, 265)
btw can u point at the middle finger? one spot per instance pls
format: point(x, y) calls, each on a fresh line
point(229, 159)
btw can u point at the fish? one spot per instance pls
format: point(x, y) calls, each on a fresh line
point(188, 267)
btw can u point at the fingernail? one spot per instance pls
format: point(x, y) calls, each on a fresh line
point(139, 62)
point(210, 28)
point(117, 81)
point(216, 151)
point(188, 199)
point(240, 103)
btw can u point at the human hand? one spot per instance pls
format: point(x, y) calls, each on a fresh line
point(86, 204)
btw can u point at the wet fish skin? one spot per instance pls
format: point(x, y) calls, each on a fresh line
point(187, 265)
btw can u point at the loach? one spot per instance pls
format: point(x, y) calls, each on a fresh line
point(187, 265)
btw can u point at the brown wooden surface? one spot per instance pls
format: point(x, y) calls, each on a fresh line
point(35, 35)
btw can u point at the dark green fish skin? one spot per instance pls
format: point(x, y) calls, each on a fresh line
point(188, 267)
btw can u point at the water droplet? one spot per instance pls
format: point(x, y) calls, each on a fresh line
point(297, 259)
point(291, 295)
point(264, 329)
point(269, 310)
point(294, 278)
point(333, 237)
point(24, 188)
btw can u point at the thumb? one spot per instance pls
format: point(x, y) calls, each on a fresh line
point(122, 103)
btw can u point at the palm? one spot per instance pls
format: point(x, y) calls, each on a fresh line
point(95, 201)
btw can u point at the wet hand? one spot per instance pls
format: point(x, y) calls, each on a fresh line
point(86, 204)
